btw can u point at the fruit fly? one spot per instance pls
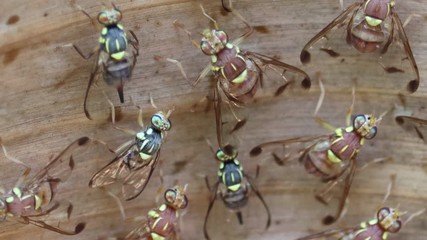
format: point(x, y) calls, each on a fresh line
point(112, 54)
point(26, 202)
point(161, 222)
point(136, 159)
point(237, 72)
point(387, 220)
point(370, 26)
point(235, 184)
point(332, 157)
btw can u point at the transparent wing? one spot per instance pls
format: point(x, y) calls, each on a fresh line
point(288, 72)
point(58, 169)
point(333, 234)
point(136, 181)
point(139, 232)
point(294, 147)
point(114, 170)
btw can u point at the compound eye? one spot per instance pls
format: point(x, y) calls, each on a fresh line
point(103, 18)
point(170, 196)
point(358, 121)
point(207, 48)
point(372, 133)
point(395, 227)
point(185, 203)
point(222, 36)
point(118, 15)
point(383, 213)
point(220, 155)
point(157, 121)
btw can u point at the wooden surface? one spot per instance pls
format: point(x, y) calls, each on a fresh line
point(43, 82)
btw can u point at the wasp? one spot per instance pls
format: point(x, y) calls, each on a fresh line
point(331, 157)
point(161, 222)
point(27, 202)
point(238, 73)
point(371, 26)
point(235, 184)
point(137, 158)
point(387, 220)
point(112, 54)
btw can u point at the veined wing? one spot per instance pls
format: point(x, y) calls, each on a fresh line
point(58, 169)
point(283, 69)
point(334, 234)
point(136, 181)
point(139, 232)
point(114, 170)
point(298, 142)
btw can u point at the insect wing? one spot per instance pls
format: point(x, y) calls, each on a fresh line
point(334, 234)
point(293, 73)
point(136, 181)
point(114, 170)
point(58, 169)
point(139, 232)
point(325, 38)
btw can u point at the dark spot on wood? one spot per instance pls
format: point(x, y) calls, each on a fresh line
point(262, 29)
point(277, 222)
point(255, 151)
point(10, 56)
point(330, 52)
point(69, 211)
point(12, 20)
point(342, 60)
point(179, 166)
point(45, 14)
point(305, 57)
point(224, 12)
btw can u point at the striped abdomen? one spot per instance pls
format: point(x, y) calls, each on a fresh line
point(237, 74)
point(22, 203)
point(116, 72)
point(162, 221)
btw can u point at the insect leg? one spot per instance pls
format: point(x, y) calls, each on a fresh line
point(320, 121)
point(259, 195)
point(350, 109)
point(209, 17)
point(250, 30)
point(214, 193)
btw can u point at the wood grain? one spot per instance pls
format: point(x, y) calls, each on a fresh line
point(43, 82)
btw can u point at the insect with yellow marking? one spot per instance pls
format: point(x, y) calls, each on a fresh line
point(370, 26)
point(25, 203)
point(112, 54)
point(331, 157)
point(160, 223)
point(238, 73)
point(387, 221)
point(236, 186)
point(137, 158)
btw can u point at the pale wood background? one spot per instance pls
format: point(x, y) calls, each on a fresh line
point(43, 83)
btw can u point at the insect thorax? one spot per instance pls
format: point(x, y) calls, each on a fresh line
point(113, 41)
point(148, 142)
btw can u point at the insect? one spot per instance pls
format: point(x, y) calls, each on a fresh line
point(161, 222)
point(137, 158)
point(371, 26)
point(26, 202)
point(238, 73)
point(235, 185)
point(112, 54)
point(387, 220)
point(331, 157)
